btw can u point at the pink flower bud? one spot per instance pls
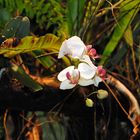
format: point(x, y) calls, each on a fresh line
point(101, 72)
point(92, 52)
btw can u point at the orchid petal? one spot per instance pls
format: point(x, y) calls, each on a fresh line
point(75, 40)
point(74, 47)
point(87, 59)
point(66, 85)
point(63, 50)
point(97, 80)
point(76, 51)
point(86, 71)
point(62, 75)
point(85, 82)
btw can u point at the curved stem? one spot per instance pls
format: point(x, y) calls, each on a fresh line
point(116, 98)
point(134, 110)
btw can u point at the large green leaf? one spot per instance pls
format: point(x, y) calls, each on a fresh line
point(25, 79)
point(128, 10)
point(49, 43)
point(17, 27)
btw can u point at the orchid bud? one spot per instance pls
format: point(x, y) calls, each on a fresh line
point(89, 102)
point(101, 72)
point(102, 94)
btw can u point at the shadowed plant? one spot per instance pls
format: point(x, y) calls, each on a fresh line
point(29, 67)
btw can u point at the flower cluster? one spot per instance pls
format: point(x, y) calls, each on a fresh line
point(85, 73)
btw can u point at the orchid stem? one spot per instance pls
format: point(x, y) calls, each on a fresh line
point(91, 93)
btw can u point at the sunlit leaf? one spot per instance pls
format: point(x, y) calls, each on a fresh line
point(49, 43)
point(129, 36)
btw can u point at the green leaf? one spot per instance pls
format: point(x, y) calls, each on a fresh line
point(128, 36)
point(56, 131)
point(117, 57)
point(46, 61)
point(4, 17)
point(74, 15)
point(49, 43)
point(25, 79)
point(17, 27)
point(20, 4)
point(128, 11)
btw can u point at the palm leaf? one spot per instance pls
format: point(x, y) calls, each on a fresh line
point(28, 44)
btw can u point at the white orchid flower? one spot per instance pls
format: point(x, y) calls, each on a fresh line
point(71, 76)
point(86, 73)
point(74, 47)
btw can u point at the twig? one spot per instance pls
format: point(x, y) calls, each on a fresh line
point(109, 8)
point(134, 63)
point(5, 127)
point(116, 98)
point(46, 54)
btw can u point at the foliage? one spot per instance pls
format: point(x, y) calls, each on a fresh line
point(111, 26)
point(38, 11)
point(128, 10)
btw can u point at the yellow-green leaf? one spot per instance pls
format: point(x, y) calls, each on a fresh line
point(49, 43)
point(128, 36)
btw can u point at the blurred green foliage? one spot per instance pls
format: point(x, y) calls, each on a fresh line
point(46, 15)
point(111, 26)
